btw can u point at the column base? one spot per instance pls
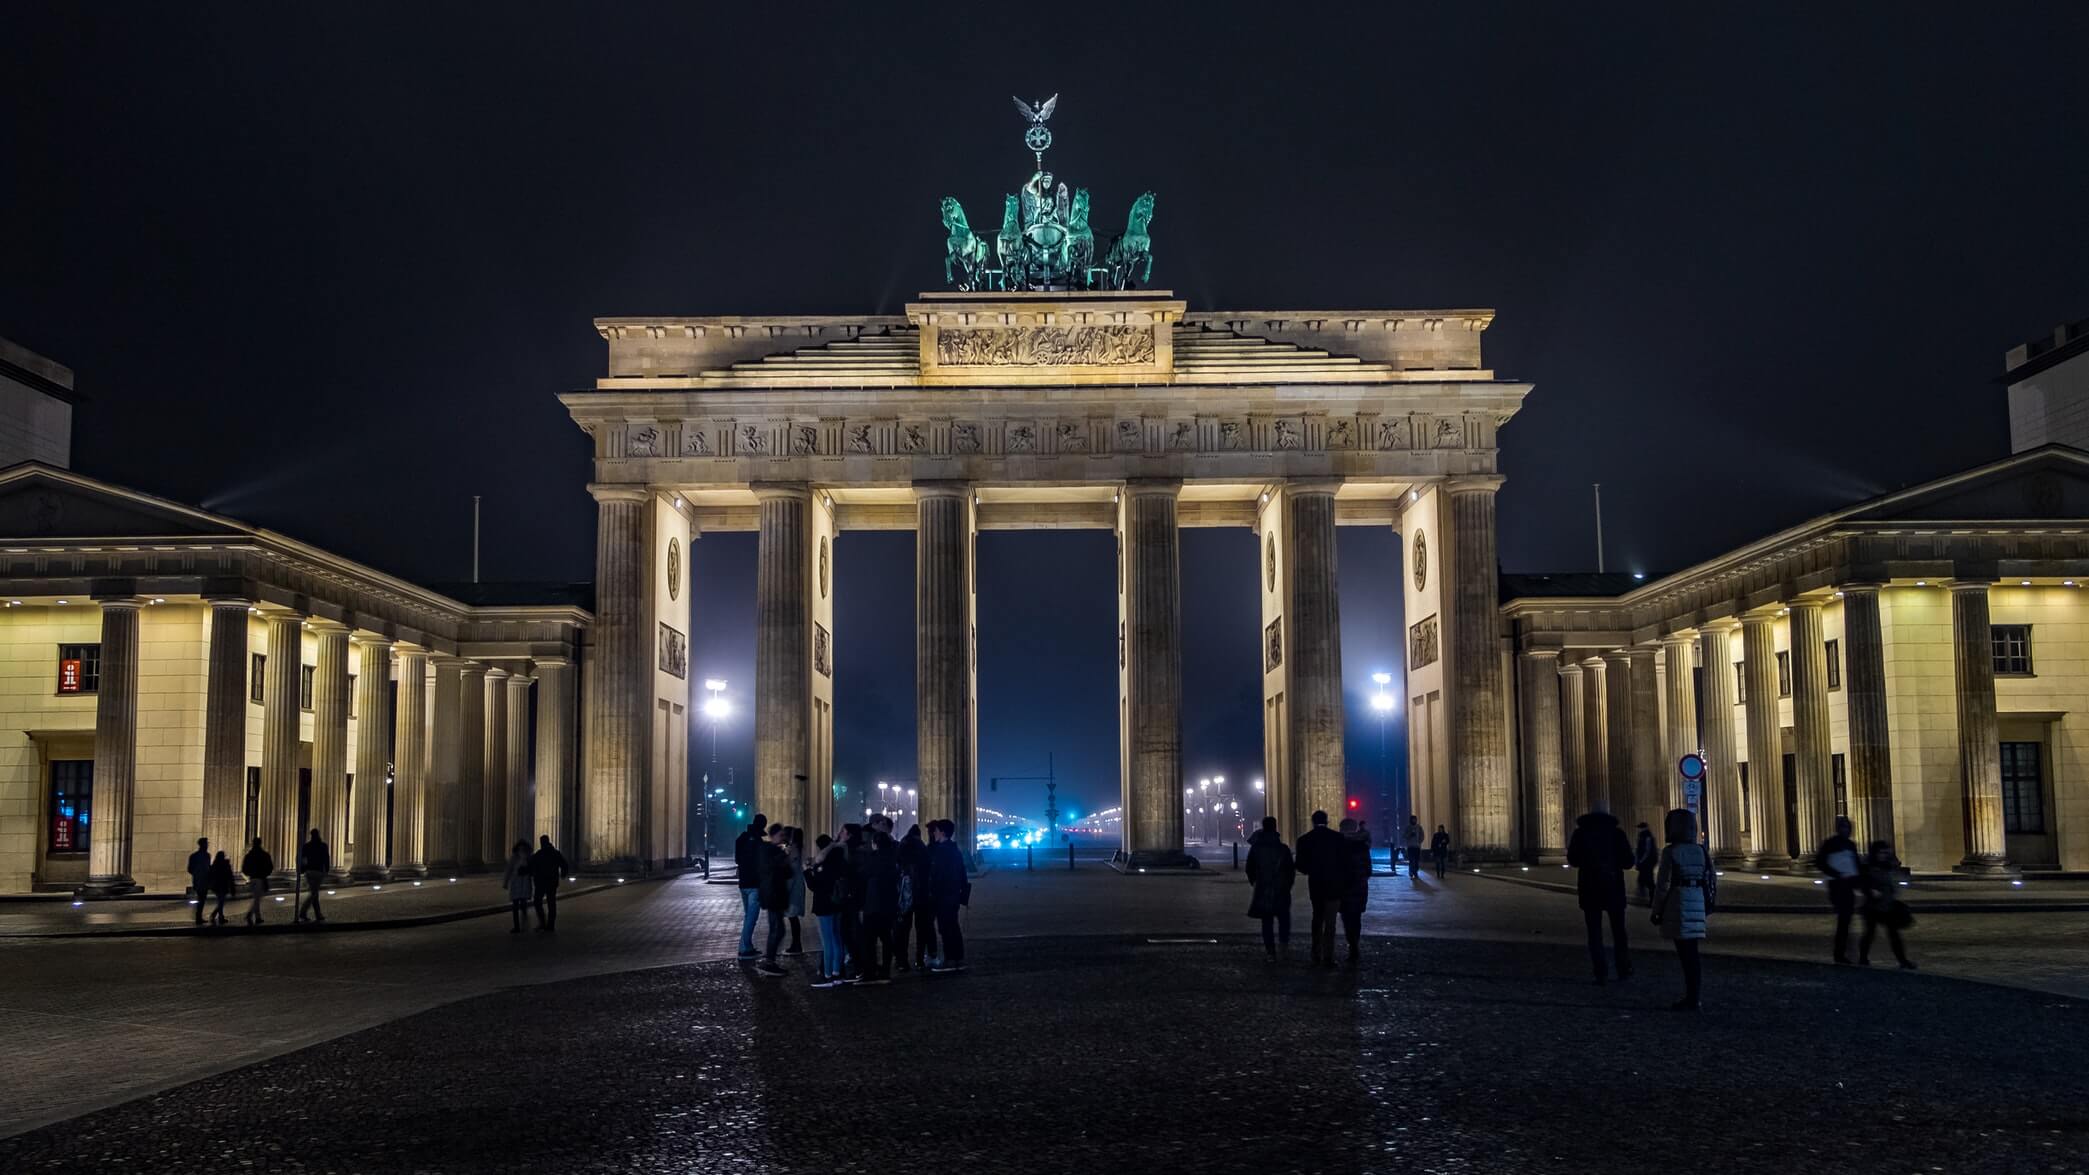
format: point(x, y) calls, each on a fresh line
point(1550, 857)
point(365, 873)
point(109, 887)
point(1154, 861)
point(1985, 865)
point(1491, 855)
point(408, 872)
point(1730, 859)
point(1805, 864)
point(343, 876)
point(624, 867)
point(1771, 863)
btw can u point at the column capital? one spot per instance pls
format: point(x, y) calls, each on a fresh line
point(495, 673)
point(618, 493)
point(518, 677)
point(376, 640)
point(227, 601)
point(120, 603)
point(1969, 585)
point(403, 652)
point(1541, 654)
point(797, 491)
point(319, 624)
point(1296, 486)
point(1720, 624)
point(553, 662)
point(1140, 487)
point(1865, 587)
point(1807, 603)
point(1681, 636)
point(941, 489)
point(439, 659)
point(1475, 484)
point(1618, 657)
point(471, 668)
point(1567, 666)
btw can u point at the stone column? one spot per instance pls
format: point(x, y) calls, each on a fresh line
point(1765, 741)
point(1574, 747)
point(1617, 714)
point(620, 752)
point(1864, 691)
point(412, 806)
point(446, 766)
point(1979, 736)
point(373, 755)
point(1813, 771)
point(1153, 675)
point(330, 742)
point(1314, 658)
point(225, 730)
point(520, 819)
point(116, 753)
point(555, 745)
point(1595, 735)
point(1540, 691)
point(493, 749)
point(1478, 689)
point(943, 652)
point(469, 797)
point(1679, 714)
point(1649, 773)
point(1722, 807)
point(783, 652)
point(280, 719)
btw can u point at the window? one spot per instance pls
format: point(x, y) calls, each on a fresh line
point(1746, 806)
point(351, 695)
point(1784, 675)
point(2012, 644)
point(2023, 788)
point(1740, 683)
point(72, 799)
point(1839, 776)
point(253, 806)
point(306, 674)
point(79, 669)
point(1834, 664)
point(256, 665)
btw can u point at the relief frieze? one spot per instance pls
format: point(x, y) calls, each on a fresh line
point(1045, 346)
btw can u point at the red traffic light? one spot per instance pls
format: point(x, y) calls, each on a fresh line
point(1353, 805)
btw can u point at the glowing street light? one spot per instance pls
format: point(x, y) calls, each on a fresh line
point(1258, 785)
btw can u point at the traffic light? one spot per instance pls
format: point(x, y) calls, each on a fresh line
point(1353, 804)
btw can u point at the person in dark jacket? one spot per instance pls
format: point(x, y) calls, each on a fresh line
point(199, 874)
point(1356, 883)
point(256, 866)
point(220, 878)
point(1646, 855)
point(1413, 842)
point(1882, 904)
point(948, 890)
point(547, 869)
point(312, 863)
point(773, 892)
point(1440, 848)
point(1271, 871)
point(874, 869)
point(1844, 865)
point(827, 864)
point(1324, 860)
point(915, 913)
point(747, 863)
point(1600, 851)
point(848, 900)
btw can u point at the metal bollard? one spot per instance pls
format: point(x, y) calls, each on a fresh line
point(1069, 857)
point(1236, 856)
point(1029, 861)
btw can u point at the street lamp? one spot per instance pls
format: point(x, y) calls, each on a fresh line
point(717, 709)
point(1382, 701)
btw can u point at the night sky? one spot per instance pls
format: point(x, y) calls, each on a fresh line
point(324, 268)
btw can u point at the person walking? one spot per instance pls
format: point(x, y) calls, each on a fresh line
point(1882, 904)
point(773, 892)
point(1415, 836)
point(819, 881)
point(1356, 884)
point(1844, 865)
point(313, 861)
point(199, 874)
point(1440, 847)
point(220, 878)
point(1271, 871)
point(547, 870)
point(256, 867)
point(876, 868)
point(747, 864)
point(1683, 899)
point(517, 881)
point(915, 914)
point(1322, 857)
point(1600, 851)
point(948, 890)
point(1646, 857)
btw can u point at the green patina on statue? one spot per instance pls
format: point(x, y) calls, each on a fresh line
point(1045, 242)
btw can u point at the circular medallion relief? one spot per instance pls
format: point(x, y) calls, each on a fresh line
point(674, 569)
point(1270, 559)
point(1421, 560)
point(823, 567)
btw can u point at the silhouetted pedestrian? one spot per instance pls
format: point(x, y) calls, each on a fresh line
point(916, 915)
point(313, 861)
point(949, 889)
point(199, 874)
point(1356, 883)
point(1271, 871)
point(1683, 898)
point(1415, 837)
point(256, 867)
point(1600, 851)
point(874, 869)
point(794, 850)
point(220, 877)
point(1646, 857)
point(1840, 859)
point(1440, 845)
point(1324, 860)
point(827, 865)
point(848, 902)
point(747, 864)
point(547, 870)
point(1882, 904)
point(517, 882)
point(773, 892)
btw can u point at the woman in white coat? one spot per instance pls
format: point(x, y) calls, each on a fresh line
point(1683, 898)
point(517, 882)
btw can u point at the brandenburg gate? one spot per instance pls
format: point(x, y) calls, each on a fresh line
point(1045, 391)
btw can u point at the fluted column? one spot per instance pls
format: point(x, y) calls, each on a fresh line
point(116, 752)
point(1314, 630)
point(520, 819)
point(1722, 804)
point(555, 745)
point(1979, 735)
point(619, 682)
point(1617, 714)
point(1574, 748)
point(1595, 734)
point(942, 652)
point(1765, 742)
point(412, 806)
point(225, 729)
point(1678, 713)
point(1479, 693)
point(1153, 674)
point(1864, 691)
point(469, 797)
point(329, 812)
point(280, 716)
point(373, 755)
point(783, 651)
point(1540, 691)
point(1649, 773)
point(446, 766)
point(1812, 769)
point(493, 748)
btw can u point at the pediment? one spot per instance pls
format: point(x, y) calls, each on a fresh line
point(2050, 484)
point(38, 502)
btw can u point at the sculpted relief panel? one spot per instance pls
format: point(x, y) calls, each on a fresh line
point(1045, 346)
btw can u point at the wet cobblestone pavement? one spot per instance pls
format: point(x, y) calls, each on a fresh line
point(1120, 1053)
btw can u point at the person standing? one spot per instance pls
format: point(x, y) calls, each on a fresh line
point(1882, 904)
point(547, 870)
point(794, 850)
point(1600, 851)
point(876, 869)
point(1844, 865)
point(916, 916)
point(1440, 846)
point(1646, 857)
point(1322, 857)
point(199, 874)
point(747, 865)
point(220, 886)
point(312, 863)
point(1683, 899)
point(848, 901)
point(1414, 839)
point(773, 891)
point(819, 880)
point(517, 880)
point(1271, 871)
point(256, 867)
point(949, 889)
point(1356, 883)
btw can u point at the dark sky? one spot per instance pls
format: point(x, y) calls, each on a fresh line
point(325, 267)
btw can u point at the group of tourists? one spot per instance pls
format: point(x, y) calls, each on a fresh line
point(1337, 865)
point(1439, 848)
point(211, 877)
point(870, 893)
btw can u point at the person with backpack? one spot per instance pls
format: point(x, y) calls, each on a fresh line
point(1683, 898)
point(747, 863)
point(1324, 860)
point(1600, 851)
point(256, 867)
point(1271, 871)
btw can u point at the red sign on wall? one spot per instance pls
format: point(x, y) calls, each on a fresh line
point(62, 833)
point(69, 676)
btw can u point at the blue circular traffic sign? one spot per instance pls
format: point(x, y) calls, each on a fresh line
point(1692, 766)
